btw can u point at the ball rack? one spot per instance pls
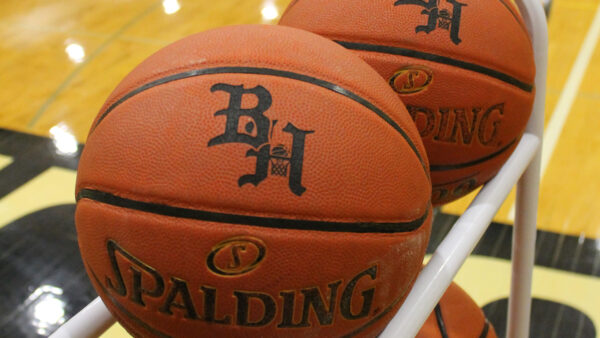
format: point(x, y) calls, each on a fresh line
point(522, 169)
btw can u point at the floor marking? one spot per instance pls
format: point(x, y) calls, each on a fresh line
point(487, 279)
point(92, 56)
point(567, 98)
point(5, 161)
point(84, 33)
point(54, 186)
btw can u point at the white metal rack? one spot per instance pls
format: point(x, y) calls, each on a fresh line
point(522, 168)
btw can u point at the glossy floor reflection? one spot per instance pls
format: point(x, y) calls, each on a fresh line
point(60, 59)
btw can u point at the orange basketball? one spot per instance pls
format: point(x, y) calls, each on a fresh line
point(253, 181)
point(456, 316)
point(464, 69)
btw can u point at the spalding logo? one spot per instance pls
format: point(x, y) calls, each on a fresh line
point(236, 256)
point(411, 79)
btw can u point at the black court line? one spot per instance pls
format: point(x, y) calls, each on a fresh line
point(438, 59)
point(31, 155)
point(269, 222)
point(270, 72)
point(553, 250)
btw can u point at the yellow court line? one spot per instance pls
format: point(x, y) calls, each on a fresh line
point(115, 331)
point(5, 161)
point(570, 20)
point(562, 109)
point(488, 279)
point(54, 186)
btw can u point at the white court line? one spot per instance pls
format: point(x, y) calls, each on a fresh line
point(567, 97)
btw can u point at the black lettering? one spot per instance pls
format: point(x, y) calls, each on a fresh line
point(490, 129)
point(179, 287)
point(298, 137)
point(313, 299)
point(262, 166)
point(235, 111)
point(210, 306)
point(437, 18)
point(439, 194)
point(467, 129)
point(243, 308)
point(443, 127)
point(425, 128)
point(137, 268)
point(262, 148)
point(235, 249)
point(136, 288)
point(367, 295)
point(455, 20)
point(289, 303)
point(464, 187)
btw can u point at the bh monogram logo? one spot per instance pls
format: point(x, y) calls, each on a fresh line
point(437, 17)
point(258, 129)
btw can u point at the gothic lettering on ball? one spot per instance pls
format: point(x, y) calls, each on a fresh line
point(257, 133)
point(411, 79)
point(234, 251)
point(142, 285)
point(459, 125)
point(438, 16)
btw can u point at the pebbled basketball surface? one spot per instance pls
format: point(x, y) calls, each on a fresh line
point(457, 315)
point(464, 69)
point(45, 88)
point(251, 181)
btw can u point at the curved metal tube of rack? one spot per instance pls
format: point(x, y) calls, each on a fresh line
point(522, 168)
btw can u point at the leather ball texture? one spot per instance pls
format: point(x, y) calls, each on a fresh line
point(253, 181)
point(457, 316)
point(464, 69)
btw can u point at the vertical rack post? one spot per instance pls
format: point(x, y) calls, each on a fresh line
point(523, 168)
point(524, 232)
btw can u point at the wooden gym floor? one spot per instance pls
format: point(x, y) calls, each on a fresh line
point(60, 59)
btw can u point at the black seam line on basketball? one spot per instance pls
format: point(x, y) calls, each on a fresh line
point(273, 72)
point(440, 321)
point(438, 59)
point(486, 328)
point(124, 310)
point(268, 222)
point(444, 167)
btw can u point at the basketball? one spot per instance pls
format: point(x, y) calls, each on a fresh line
point(457, 315)
point(464, 69)
point(253, 181)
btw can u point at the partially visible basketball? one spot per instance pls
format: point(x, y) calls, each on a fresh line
point(253, 181)
point(457, 316)
point(464, 69)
